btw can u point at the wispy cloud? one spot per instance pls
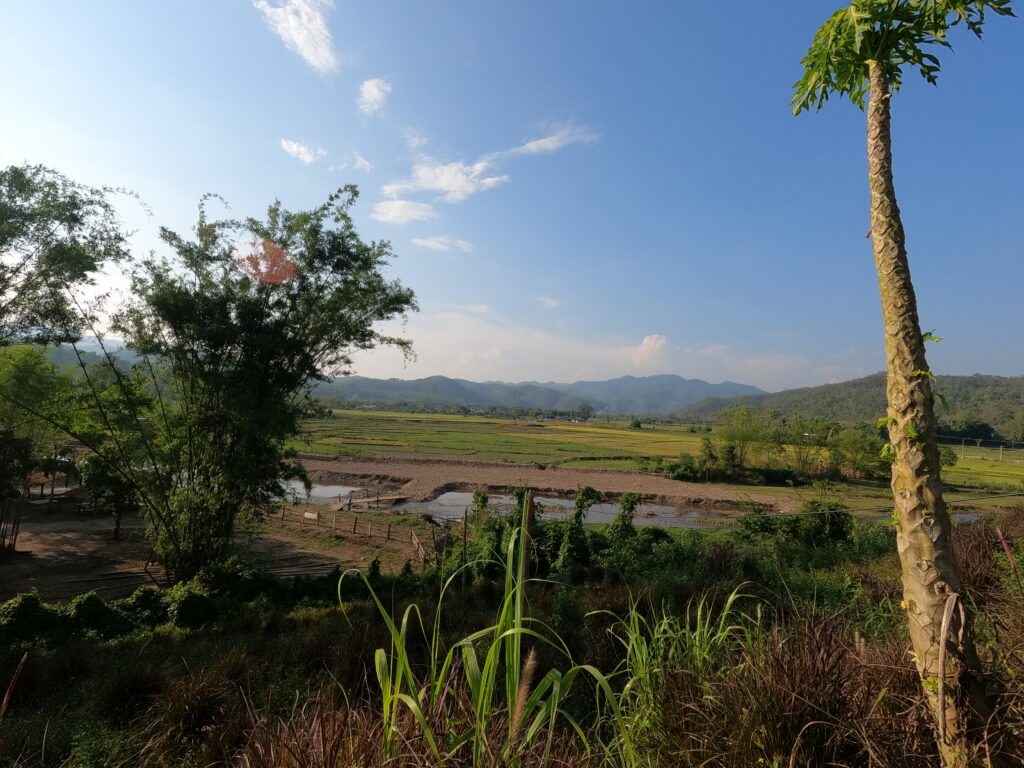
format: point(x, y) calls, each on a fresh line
point(415, 139)
point(303, 28)
point(560, 137)
point(443, 243)
point(548, 302)
point(401, 211)
point(307, 153)
point(456, 181)
point(373, 94)
point(362, 164)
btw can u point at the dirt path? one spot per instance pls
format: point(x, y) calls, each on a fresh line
point(64, 552)
point(422, 479)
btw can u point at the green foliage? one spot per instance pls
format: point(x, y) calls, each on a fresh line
point(622, 526)
point(144, 607)
point(574, 552)
point(110, 491)
point(891, 32)
point(89, 614)
point(189, 606)
point(818, 524)
point(230, 348)
point(987, 400)
point(858, 451)
point(233, 579)
point(948, 456)
point(55, 234)
point(498, 674)
point(26, 618)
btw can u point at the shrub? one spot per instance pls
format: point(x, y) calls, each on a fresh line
point(88, 613)
point(233, 578)
point(25, 618)
point(189, 606)
point(144, 607)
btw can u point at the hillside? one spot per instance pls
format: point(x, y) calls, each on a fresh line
point(628, 394)
point(651, 394)
point(995, 400)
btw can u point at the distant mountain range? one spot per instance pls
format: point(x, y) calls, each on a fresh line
point(629, 394)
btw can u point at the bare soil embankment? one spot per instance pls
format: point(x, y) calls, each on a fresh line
point(422, 479)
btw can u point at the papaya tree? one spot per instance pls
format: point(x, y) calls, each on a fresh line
point(861, 53)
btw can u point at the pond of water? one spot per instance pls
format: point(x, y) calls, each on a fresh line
point(452, 505)
point(319, 494)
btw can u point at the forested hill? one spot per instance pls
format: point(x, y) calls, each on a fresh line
point(627, 394)
point(994, 400)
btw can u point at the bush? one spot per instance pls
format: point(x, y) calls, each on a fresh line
point(234, 578)
point(25, 618)
point(783, 476)
point(144, 607)
point(88, 613)
point(189, 606)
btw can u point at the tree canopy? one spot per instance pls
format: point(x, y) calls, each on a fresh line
point(894, 33)
point(54, 235)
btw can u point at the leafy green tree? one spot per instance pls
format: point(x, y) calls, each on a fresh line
point(859, 451)
point(707, 459)
point(231, 347)
point(585, 411)
point(948, 456)
point(245, 339)
point(54, 235)
point(861, 52)
point(31, 392)
point(744, 429)
point(109, 491)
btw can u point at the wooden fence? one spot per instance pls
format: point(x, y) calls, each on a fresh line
point(345, 522)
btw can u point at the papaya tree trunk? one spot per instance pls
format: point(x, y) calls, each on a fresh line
point(932, 597)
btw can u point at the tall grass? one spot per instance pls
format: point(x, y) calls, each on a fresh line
point(504, 718)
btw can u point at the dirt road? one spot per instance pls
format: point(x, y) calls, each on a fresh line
point(422, 479)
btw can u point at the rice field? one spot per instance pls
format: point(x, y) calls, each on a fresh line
point(604, 444)
point(611, 445)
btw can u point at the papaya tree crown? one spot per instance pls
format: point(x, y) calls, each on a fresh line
point(895, 33)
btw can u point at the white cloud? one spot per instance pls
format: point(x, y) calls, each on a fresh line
point(307, 153)
point(548, 302)
point(302, 27)
point(415, 139)
point(372, 95)
point(456, 181)
point(443, 243)
point(362, 164)
point(556, 139)
point(401, 211)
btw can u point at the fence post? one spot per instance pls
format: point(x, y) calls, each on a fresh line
point(389, 532)
point(465, 535)
point(354, 521)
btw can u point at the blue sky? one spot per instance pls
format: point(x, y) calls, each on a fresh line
point(573, 189)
